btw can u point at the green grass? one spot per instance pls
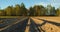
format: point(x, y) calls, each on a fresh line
point(9, 16)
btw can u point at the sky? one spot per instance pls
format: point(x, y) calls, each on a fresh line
point(29, 3)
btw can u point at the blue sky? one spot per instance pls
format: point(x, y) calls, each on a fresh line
point(28, 3)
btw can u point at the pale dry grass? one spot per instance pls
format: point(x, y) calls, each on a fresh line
point(54, 19)
point(50, 28)
point(37, 21)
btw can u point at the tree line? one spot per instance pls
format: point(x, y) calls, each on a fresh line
point(36, 10)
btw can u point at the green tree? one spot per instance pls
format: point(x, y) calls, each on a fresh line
point(13, 12)
point(31, 11)
point(2, 13)
point(8, 11)
point(23, 9)
point(39, 10)
point(17, 9)
point(53, 11)
point(58, 11)
point(50, 10)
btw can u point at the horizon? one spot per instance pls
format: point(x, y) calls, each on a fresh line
point(29, 3)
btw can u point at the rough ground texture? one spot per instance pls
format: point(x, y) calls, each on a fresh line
point(30, 24)
point(48, 24)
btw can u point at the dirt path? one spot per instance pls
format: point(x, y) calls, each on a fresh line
point(47, 26)
point(32, 24)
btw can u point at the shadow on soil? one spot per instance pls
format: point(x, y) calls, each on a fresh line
point(19, 27)
point(35, 27)
point(46, 21)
